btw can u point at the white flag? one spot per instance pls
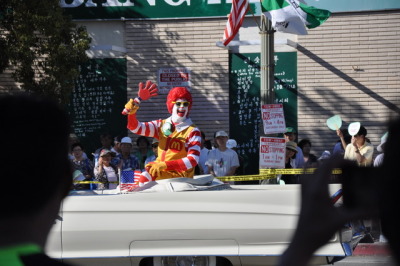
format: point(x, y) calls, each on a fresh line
point(293, 16)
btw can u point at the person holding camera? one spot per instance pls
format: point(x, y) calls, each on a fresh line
point(320, 218)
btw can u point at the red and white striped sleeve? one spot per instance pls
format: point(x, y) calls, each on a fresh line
point(148, 129)
point(193, 146)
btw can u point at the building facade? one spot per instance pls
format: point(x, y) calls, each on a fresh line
point(349, 66)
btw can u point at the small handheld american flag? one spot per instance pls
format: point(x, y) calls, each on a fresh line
point(129, 180)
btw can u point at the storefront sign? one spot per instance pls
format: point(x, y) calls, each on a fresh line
point(150, 9)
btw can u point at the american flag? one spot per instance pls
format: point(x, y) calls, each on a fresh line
point(235, 19)
point(129, 180)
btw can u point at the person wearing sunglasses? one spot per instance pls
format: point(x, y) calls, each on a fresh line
point(179, 139)
point(154, 147)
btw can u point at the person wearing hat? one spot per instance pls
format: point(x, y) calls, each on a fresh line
point(105, 171)
point(154, 147)
point(290, 162)
point(359, 149)
point(127, 161)
point(179, 139)
point(222, 161)
point(232, 144)
point(291, 135)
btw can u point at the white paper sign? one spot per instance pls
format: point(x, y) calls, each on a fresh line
point(272, 153)
point(173, 77)
point(273, 118)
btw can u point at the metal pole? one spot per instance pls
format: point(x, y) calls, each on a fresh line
point(267, 62)
point(267, 68)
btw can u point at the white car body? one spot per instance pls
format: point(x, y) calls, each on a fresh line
point(247, 225)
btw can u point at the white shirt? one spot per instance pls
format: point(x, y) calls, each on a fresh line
point(367, 150)
point(202, 160)
point(222, 161)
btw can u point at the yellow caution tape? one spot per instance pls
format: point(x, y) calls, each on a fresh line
point(245, 177)
point(271, 173)
point(264, 174)
point(94, 182)
point(299, 171)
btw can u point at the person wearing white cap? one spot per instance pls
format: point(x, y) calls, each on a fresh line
point(126, 159)
point(222, 161)
point(232, 144)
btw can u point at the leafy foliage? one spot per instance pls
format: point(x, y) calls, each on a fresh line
point(43, 46)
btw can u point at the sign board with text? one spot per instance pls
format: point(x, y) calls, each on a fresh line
point(245, 100)
point(272, 153)
point(165, 9)
point(169, 78)
point(273, 118)
point(150, 9)
point(97, 100)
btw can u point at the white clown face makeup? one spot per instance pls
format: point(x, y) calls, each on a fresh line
point(180, 110)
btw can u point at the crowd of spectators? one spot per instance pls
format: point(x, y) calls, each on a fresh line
point(109, 160)
point(218, 156)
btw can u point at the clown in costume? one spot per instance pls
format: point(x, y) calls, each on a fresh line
point(179, 139)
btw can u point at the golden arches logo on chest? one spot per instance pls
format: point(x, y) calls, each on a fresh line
point(176, 145)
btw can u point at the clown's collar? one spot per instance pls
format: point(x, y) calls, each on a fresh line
point(182, 125)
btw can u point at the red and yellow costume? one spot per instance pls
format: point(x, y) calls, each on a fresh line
point(178, 148)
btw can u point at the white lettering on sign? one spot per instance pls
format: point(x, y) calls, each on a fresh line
point(172, 3)
point(117, 3)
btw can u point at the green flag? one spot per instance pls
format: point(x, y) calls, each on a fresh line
point(293, 16)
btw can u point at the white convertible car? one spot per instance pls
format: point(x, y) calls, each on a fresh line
point(176, 223)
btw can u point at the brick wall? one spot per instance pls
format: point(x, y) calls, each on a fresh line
point(181, 43)
point(349, 66)
point(7, 83)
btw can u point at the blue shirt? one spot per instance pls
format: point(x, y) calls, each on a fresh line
point(131, 162)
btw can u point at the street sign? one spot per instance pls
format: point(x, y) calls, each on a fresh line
point(273, 118)
point(272, 152)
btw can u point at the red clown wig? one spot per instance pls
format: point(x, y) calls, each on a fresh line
point(178, 93)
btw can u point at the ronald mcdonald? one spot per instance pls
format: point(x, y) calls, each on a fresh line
point(179, 139)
